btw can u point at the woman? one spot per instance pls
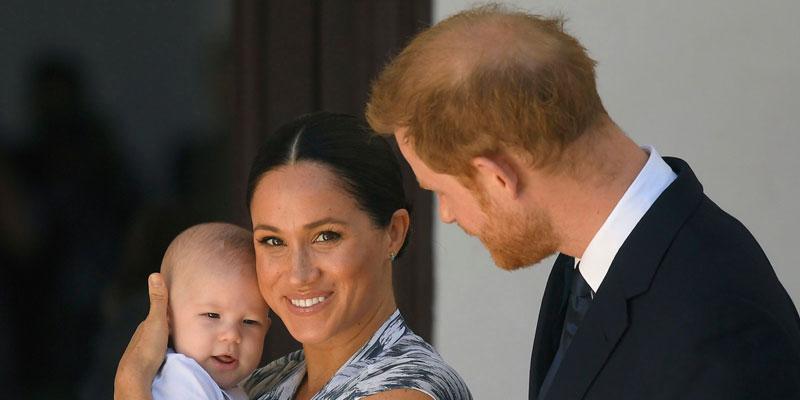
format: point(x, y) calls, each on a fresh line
point(329, 216)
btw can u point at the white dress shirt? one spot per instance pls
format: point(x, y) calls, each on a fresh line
point(652, 180)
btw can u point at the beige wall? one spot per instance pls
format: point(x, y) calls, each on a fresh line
point(716, 83)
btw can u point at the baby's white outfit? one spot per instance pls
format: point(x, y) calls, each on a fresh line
point(181, 377)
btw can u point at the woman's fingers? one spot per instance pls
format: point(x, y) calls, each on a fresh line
point(154, 331)
point(159, 299)
point(146, 350)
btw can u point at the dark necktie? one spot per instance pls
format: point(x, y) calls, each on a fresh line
point(580, 298)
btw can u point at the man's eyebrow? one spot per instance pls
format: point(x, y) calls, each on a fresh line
point(310, 225)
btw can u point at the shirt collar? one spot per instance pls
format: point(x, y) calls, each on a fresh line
point(652, 180)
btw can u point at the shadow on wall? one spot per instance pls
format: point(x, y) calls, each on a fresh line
point(78, 239)
point(70, 198)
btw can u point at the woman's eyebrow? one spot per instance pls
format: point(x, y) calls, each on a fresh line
point(310, 225)
point(324, 221)
point(265, 227)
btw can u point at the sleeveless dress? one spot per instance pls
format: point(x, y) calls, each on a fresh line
point(394, 358)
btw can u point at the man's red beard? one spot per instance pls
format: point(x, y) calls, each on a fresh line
point(517, 241)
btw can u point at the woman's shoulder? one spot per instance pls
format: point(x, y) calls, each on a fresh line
point(278, 376)
point(409, 348)
point(411, 363)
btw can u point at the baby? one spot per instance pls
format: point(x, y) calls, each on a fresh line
point(217, 317)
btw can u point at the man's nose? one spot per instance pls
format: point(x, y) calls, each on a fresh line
point(444, 211)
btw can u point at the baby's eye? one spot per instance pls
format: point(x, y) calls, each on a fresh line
point(327, 236)
point(271, 241)
point(212, 315)
point(251, 322)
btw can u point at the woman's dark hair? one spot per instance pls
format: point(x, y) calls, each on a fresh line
point(363, 161)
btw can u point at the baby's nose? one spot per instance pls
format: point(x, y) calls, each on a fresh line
point(231, 334)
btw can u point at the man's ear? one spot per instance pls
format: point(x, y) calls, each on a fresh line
point(496, 173)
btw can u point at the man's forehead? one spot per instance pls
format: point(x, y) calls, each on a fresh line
point(406, 148)
point(425, 176)
point(418, 166)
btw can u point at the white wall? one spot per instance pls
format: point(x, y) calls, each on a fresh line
point(715, 82)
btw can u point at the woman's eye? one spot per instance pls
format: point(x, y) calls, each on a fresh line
point(327, 236)
point(250, 322)
point(212, 315)
point(271, 241)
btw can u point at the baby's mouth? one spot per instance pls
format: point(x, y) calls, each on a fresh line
point(224, 359)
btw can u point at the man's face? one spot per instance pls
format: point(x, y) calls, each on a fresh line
point(517, 240)
point(457, 203)
point(514, 239)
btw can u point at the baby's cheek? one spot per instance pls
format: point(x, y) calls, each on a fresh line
point(191, 344)
point(191, 339)
point(179, 337)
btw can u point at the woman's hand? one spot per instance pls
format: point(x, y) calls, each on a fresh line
point(147, 348)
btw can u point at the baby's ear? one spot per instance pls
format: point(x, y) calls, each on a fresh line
point(169, 320)
point(170, 342)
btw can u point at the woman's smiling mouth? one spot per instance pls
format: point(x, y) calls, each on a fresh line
point(305, 305)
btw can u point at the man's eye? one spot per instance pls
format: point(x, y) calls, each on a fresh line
point(271, 241)
point(251, 322)
point(212, 315)
point(327, 236)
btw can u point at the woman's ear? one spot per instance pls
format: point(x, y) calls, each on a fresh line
point(398, 229)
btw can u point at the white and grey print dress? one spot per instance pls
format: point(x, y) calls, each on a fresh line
point(394, 358)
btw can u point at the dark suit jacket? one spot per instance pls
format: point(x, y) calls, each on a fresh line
point(690, 309)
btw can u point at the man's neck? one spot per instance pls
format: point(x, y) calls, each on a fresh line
point(606, 165)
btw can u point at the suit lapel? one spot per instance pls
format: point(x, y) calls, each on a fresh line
point(551, 319)
point(599, 332)
point(630, 275)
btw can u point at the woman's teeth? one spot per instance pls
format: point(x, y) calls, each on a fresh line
point(305, 303)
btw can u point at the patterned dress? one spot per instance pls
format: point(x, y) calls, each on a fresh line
point(394, 358)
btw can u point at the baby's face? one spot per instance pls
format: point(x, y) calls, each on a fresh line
point(220, 321)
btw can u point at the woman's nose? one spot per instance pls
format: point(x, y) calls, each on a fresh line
point(303, 272)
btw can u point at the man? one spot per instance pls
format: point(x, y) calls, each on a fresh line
point(657, 293)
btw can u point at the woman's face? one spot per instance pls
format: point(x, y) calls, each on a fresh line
point(323, 266)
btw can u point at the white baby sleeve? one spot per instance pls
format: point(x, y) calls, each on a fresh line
point(183, 378)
